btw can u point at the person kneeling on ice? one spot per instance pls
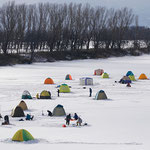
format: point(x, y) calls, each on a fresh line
point(75, 116)
point(29, 117)
point(128, 85)
point(68, 118)
point(79, 121)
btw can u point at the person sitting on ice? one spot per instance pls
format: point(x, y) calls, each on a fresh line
point(75, 116)
point(29, 117)
point(49, 113)
point(128, 85)
point(6, 120)
point(79, 121)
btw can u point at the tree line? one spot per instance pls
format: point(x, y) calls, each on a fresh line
point(66, 27)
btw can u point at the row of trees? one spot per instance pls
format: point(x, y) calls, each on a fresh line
point(61, 27)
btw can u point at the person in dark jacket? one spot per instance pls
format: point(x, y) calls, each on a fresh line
point(49, 113)
point(68, 118)
point(6, 120)
point(90, 90)
point(75, 116)
point(58, 91)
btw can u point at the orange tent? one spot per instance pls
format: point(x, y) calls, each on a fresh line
point(143, 77)
point(48, 81)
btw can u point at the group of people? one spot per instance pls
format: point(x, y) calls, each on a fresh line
point(76, 117)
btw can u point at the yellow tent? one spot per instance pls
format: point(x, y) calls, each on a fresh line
point(22, 135)
point(45, 95)
point(105, 75)
point(143, 77)
point(132, 78)
point(64, 88)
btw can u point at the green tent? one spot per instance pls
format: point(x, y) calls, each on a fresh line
point(17, 112)
point(64, 88)
point(100, 95)
point(59, 111)
point(26, 95)
point(105, 75)
point(22, 135)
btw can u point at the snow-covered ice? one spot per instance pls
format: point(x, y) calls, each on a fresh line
point(120, 123)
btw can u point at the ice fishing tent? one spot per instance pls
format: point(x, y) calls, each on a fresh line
point(45, 95)
point(22, 135)
point(59, 111)
point(17, 112)
point(125, 80)
point(68, 77)
point(129, 73)
point(98, 72)
point(64, 88)
point(86, 81)
point(132, 78)
point(105, 75)
point(23, 105)
point(26, 95)
point(100, 95)
point(48, 81)
point(143, 77)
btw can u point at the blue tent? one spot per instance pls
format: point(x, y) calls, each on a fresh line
point(129, 73)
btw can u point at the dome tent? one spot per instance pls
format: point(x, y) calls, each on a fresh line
point(64, 88)
point(105, 75)
point(48, 81)
point(86, 81)
point(17, 112)
point(45, 95)
point(23, 105)
point(143, 77)
point(22, 135)
point(129, 73)
point(68, 77)
point(59, 111)
point(98, 72)
point(100, 95)
point(26, 95)
point(125, 80)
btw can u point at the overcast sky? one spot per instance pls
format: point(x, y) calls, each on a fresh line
point(140, 7)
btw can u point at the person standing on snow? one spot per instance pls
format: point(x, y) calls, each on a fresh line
point(58, 91)
point(68, 118)
point(90, 90)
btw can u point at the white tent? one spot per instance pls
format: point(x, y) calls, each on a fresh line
point(86, 81)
